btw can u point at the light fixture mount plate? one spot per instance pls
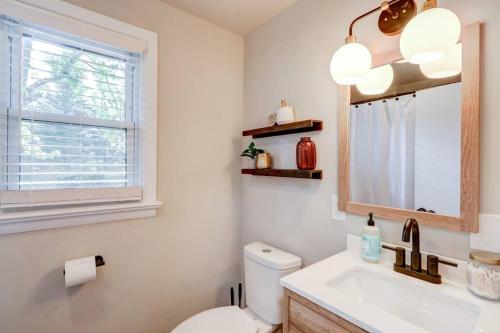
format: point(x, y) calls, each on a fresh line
point(392, 21)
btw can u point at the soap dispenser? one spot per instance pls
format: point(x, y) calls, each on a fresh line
point(370, 239)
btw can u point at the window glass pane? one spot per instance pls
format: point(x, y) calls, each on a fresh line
point(55, 155)
point(67, 80)
point(70, 111)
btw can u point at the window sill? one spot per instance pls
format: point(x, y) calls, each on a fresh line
point(69, 217)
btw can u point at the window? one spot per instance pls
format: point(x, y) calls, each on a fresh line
point(72, 117)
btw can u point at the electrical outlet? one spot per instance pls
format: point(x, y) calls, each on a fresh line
point(336, 213)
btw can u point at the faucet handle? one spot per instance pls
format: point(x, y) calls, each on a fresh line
point(449, 263)
point(433, 264)
point(400, 254)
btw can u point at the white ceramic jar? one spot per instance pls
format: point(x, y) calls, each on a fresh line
point(284, 114)
point(483, 274)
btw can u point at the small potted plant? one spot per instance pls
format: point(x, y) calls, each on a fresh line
point(262, 159)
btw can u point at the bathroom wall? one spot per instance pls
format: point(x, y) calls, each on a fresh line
point(289, 58)
point(159, 271)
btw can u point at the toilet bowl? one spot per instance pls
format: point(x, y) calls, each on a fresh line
point(227, 319)
point(264, 265)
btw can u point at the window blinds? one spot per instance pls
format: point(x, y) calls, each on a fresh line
point(70, 119)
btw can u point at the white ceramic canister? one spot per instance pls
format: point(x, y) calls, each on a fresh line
point(284, 114)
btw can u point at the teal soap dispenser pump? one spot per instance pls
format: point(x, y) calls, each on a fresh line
point(370, 239)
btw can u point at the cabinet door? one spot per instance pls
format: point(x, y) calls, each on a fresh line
point(302, 316)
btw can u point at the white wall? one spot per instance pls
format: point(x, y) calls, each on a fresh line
point(158, 271)
point(289, 58)
point(437, 149)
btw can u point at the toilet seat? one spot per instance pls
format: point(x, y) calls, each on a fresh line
point(227, 319)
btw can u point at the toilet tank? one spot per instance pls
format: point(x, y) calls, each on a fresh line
point(264, 266)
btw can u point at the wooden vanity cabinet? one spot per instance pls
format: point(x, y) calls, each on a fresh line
point(302, 316)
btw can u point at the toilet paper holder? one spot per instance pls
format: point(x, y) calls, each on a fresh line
point(99, 261)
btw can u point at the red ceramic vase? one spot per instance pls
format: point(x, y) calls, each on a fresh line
point(306, 154)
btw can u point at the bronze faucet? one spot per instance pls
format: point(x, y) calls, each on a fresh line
point(411, 227)
point(431, 274)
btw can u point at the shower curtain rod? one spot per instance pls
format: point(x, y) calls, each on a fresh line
point(384, 97)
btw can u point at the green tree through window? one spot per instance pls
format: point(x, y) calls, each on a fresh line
point(62, 80)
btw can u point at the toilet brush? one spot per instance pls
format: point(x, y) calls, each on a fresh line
point(239, 294)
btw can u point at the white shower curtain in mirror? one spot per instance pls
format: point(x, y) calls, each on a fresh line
point(382, 152)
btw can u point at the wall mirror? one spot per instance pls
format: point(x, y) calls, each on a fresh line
point(413, 150)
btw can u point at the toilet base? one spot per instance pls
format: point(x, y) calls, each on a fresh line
point(263, 326)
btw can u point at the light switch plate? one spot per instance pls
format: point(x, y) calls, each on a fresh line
point(336, 213)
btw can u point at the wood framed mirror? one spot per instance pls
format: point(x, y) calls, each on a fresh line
point(439, 158)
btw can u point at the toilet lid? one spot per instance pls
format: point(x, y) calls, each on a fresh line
point(228, 319)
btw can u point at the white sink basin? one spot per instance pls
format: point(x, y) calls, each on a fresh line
point(415, 304)
point(379, 300)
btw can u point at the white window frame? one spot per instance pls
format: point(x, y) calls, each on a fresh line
point(81, 19)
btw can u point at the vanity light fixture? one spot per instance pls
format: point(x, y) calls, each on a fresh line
point(449, 65)
point(352, 62)
point(430, 34)
point(377, 81)
point(425, 38)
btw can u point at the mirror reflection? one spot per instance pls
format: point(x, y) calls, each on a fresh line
point(405, 143)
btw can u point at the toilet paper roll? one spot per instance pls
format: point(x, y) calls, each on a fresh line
point(79, 271)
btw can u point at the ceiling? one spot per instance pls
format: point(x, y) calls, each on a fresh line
point(239, 16)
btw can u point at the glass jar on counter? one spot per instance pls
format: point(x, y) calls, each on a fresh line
point(483, 274)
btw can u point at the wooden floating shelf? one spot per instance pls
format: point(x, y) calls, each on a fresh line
point(295, 127)
point(290, 173)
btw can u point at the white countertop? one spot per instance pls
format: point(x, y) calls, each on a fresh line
point(311, 283)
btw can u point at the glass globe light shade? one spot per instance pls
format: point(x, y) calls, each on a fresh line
point(429, 35)
point(377, 81)
point(449, 65)
point(350, 64)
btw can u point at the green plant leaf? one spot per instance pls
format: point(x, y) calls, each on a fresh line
point(252, 151)
point(247, 155)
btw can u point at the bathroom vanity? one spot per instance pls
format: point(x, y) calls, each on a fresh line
point(410, 153)
point(345, 294)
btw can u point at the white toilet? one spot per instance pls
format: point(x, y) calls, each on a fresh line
point(264, 266)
